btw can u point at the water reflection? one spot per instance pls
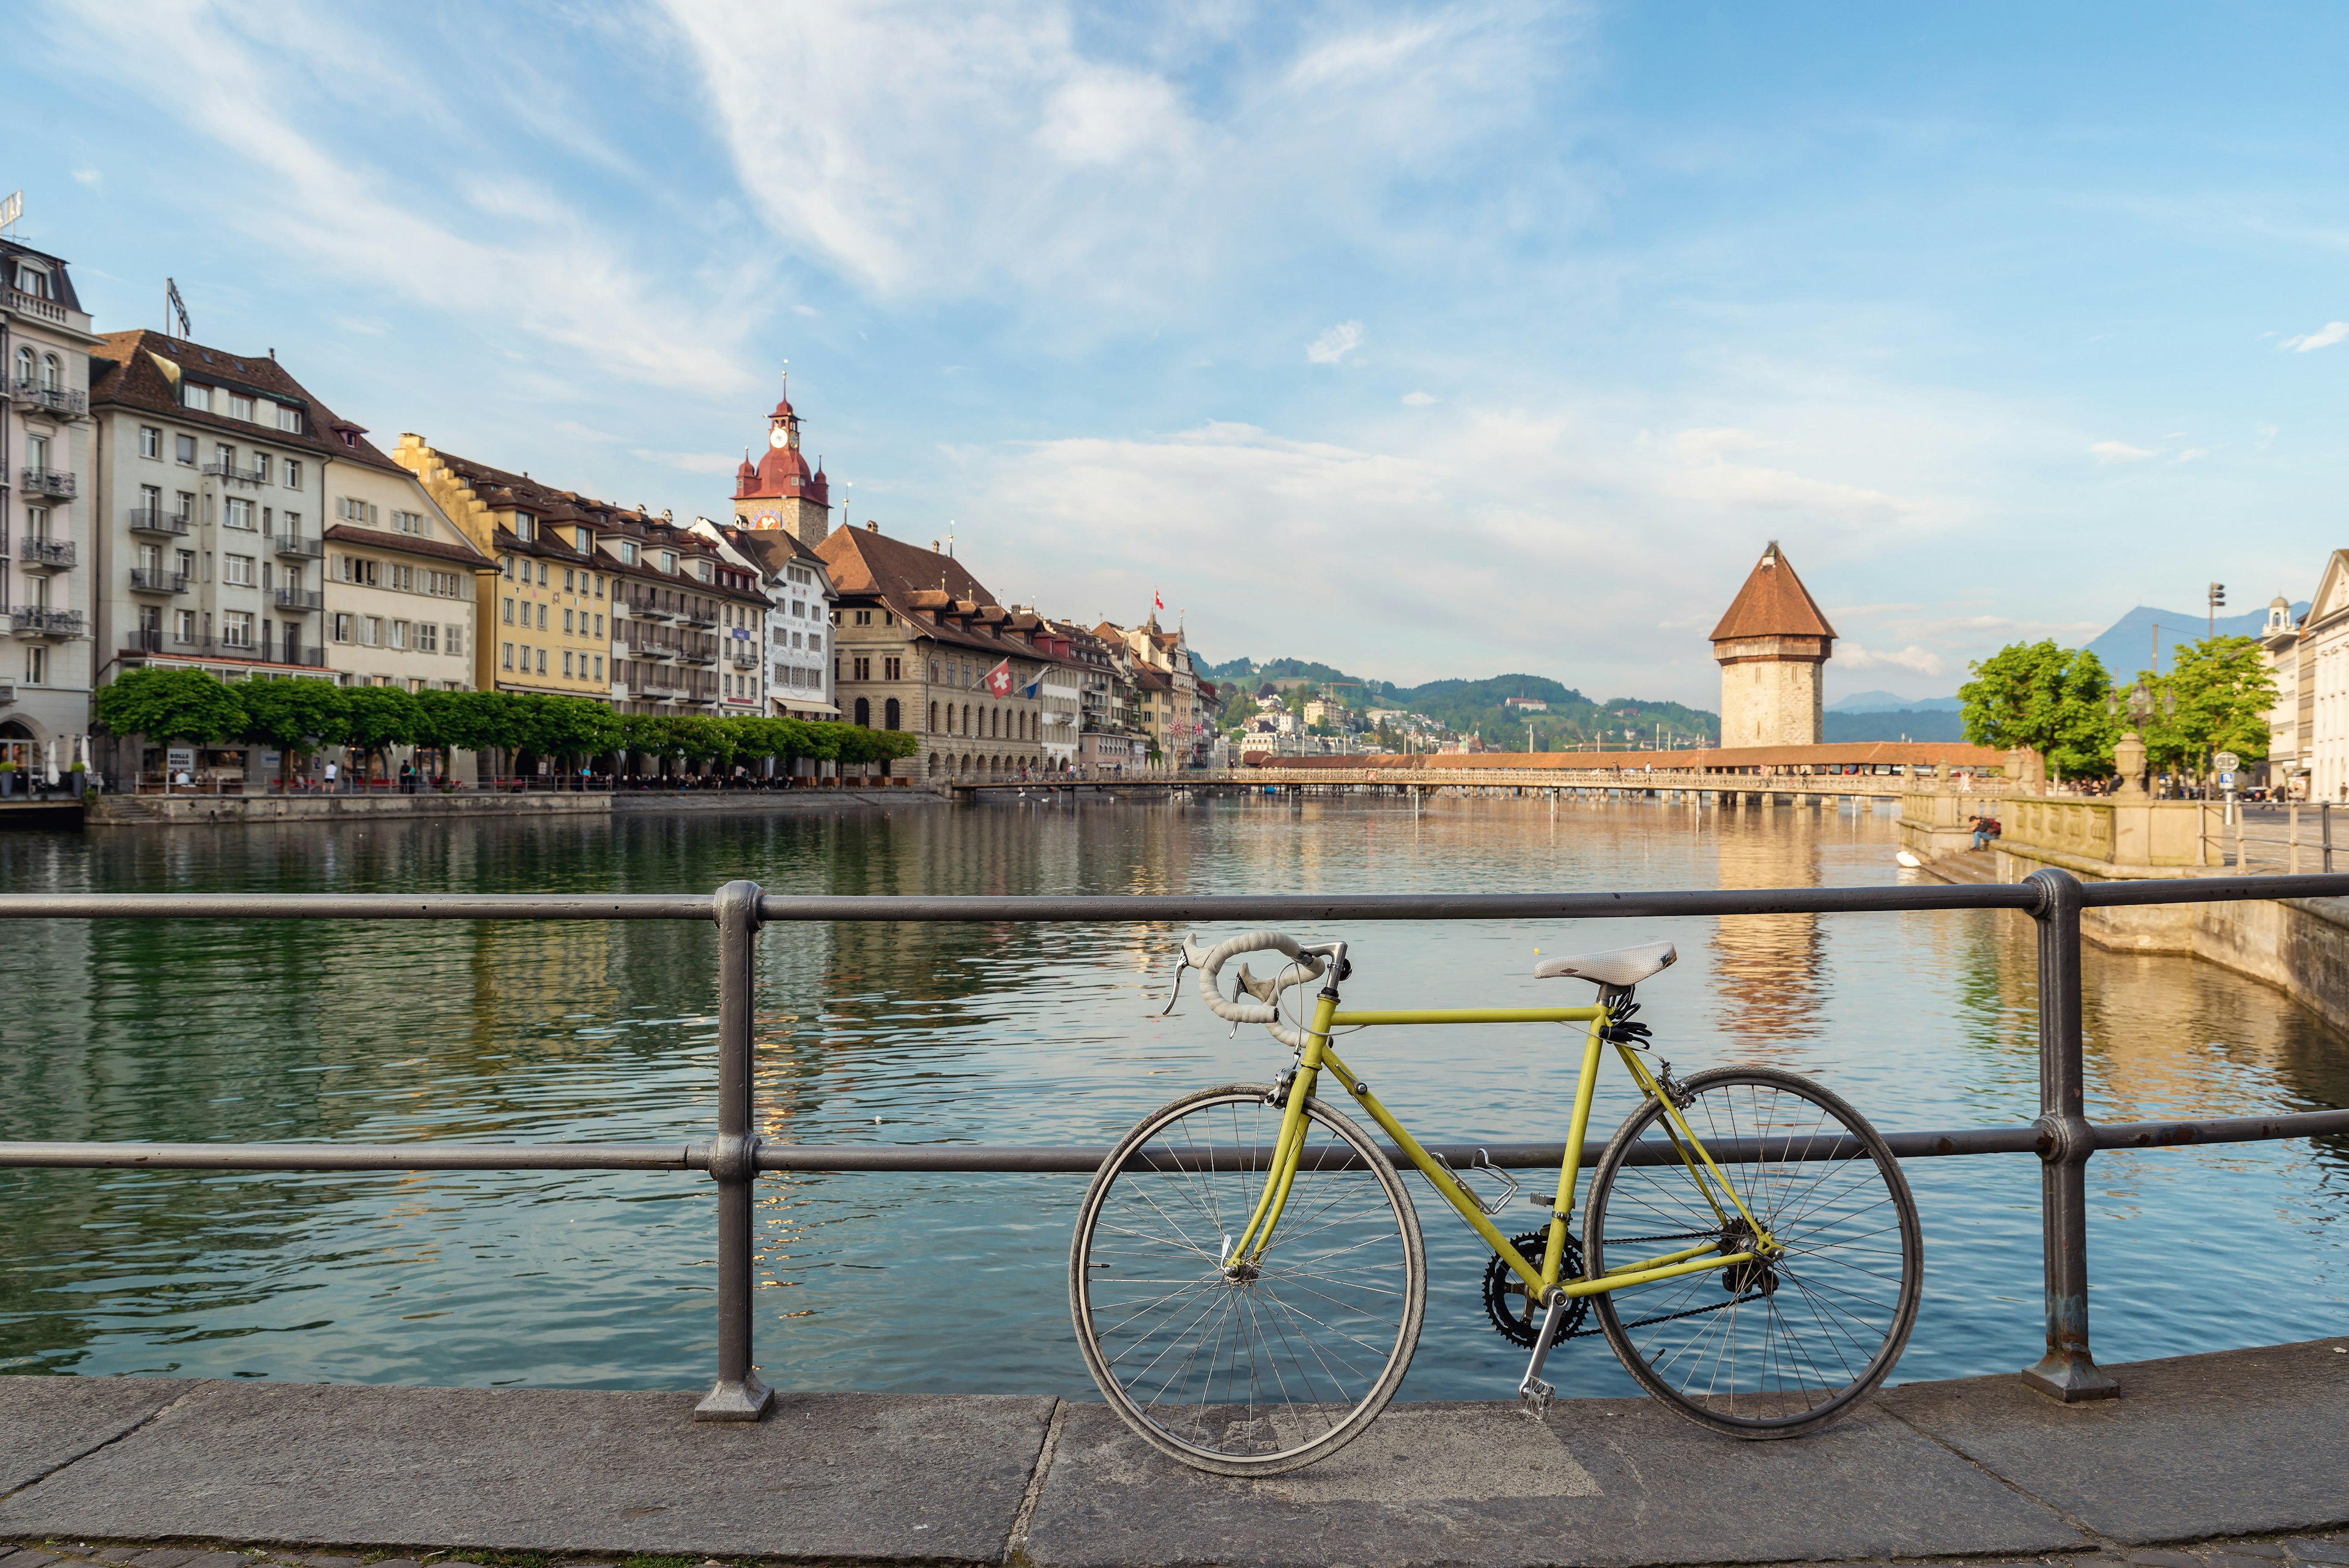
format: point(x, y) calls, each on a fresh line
point(1047, 1034)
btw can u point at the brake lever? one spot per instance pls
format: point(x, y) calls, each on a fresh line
point(1175, 993)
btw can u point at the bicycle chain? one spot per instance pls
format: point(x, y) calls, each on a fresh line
point(1670, 1316)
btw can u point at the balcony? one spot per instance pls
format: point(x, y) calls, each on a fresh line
point(154, 639)
point(62, 401)
point(294, 546)
point(54, 555)
point(698, 614)
point(39, 620)
point(703, 656)
point(659, 685)
point(155, 520)
point(231, 472)
point(157, 580)
point(304, 599)
point(648, 608)
point(48, 482)
point(33, 304)
point(746, 658)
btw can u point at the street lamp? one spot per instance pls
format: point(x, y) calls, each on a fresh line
point(2217, 598)
point(2129, 754)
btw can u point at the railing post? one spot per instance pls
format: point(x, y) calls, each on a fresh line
point(2067, 1372)
point(738, 1395)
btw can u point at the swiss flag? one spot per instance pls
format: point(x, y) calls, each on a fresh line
point(998, 680)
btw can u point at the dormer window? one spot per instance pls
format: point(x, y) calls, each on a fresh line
point(32, 280)
point(669, 560)
point(627, 551)
point(525, 527)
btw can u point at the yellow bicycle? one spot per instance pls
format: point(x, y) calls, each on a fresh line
point(1248, 1281)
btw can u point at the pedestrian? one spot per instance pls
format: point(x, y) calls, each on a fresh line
point(334, 775)
point(407, 777)
point(1980, 826)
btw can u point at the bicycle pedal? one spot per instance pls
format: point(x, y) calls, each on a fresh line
point(1536, 1395)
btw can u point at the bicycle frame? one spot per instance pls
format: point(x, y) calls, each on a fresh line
point(1541, 1280)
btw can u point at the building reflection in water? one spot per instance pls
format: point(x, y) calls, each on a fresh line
point(1767, 967)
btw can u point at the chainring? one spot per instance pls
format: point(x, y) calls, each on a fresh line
point(1505, 1306)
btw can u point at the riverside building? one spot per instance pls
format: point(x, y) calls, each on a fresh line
point(49, 560)
point(916, 642)
point(1771, 644)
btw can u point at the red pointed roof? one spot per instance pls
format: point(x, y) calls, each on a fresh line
point(1773, 603)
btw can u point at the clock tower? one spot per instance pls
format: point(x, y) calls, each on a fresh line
point(778, 492)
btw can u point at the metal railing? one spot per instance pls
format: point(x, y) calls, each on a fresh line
point(48, 482)
point(45, 552)
point(299, 545)
point(158, 580)
point(733, 1155)
point(62, 400)
point(40, 621)
point(155, 520)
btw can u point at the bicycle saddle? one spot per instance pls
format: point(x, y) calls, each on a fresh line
point(1616, 966)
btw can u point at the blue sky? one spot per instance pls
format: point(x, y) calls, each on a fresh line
point(1427, 340)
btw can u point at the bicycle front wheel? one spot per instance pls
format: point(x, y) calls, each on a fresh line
point(1768, 1349)
point(1246, 1371)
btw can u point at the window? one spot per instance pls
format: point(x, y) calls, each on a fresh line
point(187, 564)
point(292, 471)
point(522, 525)
point(236, 628)
point(355, 569)
point(370, 631)
point(408, 521)
point(455, 640)
point(599, 626)
point(261, 466)
point(508, 616)
point(36, 452)
point(398, 634)
point(427, 637)
point(185, 448)
point(669, 560)
point(599, 667)
point(543, 569)
point(934, 669)
point(542, 661)
point(566, 664)
point(505, 656)
point(863, 714)
point(862, 668)
point(342, 627)
point(240, 407)
point(237, 512)
point(865, 617)
point(815, 643)
point(288, 418)
point(237, 570)
point(570, 581)
point(599, 584)
point(25, 365)
point(627, 551)
point(889, 712)
point(193, 396)
point(224, 455)
point(351, 509)
point(150, 442)
point(183, 626)
point(404, 579)
point(893, 670)
point(187, 505)
point(542, 617)
point(37, 666)
point(567, 628)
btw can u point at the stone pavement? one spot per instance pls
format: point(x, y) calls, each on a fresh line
point(2232, 1460)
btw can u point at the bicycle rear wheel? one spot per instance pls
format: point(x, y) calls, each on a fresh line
point(1243, 1372)
point(1758, 1350)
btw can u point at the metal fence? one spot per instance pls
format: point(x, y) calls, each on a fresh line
point(733, 1155)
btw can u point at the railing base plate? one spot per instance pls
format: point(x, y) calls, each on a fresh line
point(2070, 1380)
point(744, 1401)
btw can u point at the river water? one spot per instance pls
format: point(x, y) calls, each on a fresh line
point(395, 1031)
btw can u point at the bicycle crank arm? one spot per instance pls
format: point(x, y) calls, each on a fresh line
point(1535, 1393)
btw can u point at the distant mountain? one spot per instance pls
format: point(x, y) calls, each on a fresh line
point(1570, 718)
point(1901, 724)
point(1888, 703)
point(2127, 645)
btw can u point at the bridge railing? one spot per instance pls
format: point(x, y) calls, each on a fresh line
point(732, 1154)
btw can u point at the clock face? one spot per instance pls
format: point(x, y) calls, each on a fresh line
point(777, 437)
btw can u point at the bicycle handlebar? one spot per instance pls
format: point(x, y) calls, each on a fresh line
point(1303, 968)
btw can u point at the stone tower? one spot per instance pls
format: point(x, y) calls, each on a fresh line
point(1771, 645)
point(777, 491)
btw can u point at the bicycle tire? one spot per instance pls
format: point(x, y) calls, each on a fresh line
point(1349, 1219)
point(1781, 1368)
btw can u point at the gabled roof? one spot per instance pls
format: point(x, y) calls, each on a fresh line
point(1773, 603)
point(460, 550)
point(128, 369)
point(933, 593)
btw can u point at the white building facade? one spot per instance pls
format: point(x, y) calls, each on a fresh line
point(2323, 681)
point(47, 557)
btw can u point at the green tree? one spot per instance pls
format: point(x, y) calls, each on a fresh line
point(2049, 699)
point(2220, 690)
point(292, 717)
point(377, 718)
point(166, 705)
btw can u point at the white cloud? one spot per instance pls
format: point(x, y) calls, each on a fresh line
point(510, 254)
point(967, 151)
point(1419, 399)
point(1850, 655)
point(1335, 344)
point(88, 176)
point(2117, 451)
point(2324, 336)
